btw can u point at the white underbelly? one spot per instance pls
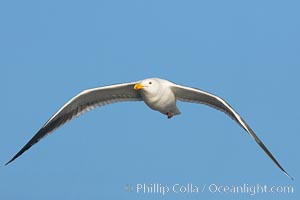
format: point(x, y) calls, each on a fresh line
point(164, 103)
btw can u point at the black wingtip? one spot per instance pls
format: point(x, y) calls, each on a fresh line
point(288, 175)
point(8, 162)
point(25, 148)
point(16, 156)
point(39, 135)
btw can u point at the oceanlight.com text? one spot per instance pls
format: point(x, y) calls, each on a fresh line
point(213, 188)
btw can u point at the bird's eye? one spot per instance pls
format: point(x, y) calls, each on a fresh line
point(150, 83)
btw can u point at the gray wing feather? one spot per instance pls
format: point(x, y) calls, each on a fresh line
point(199, 96)
point(80, 104)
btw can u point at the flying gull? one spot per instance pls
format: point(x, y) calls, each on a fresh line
point(158, 94)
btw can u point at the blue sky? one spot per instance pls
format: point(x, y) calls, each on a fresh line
point(244, 51)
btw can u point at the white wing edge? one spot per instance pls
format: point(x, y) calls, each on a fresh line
point(82, 93)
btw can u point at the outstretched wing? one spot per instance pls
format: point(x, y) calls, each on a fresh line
point(81, 103)
point(198, 96)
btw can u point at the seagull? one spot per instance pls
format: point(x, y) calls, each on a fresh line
point(158, 94)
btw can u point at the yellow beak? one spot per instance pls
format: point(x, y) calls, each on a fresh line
point(138, 86)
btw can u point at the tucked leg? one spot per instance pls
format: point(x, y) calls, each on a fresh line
point(170, 115)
